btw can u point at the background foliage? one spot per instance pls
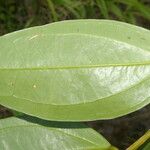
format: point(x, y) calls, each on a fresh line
point(19, 14)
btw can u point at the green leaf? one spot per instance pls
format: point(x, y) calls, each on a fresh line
point(142, 143)
point(52, 9)
point(103, 8)
point(76, 70)
point(116, 11)
point(33, 134)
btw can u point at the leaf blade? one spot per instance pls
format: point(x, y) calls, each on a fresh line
point(37, 134)
point(85, 68)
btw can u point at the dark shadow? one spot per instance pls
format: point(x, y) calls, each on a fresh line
point(56, 124)
point(124, 131)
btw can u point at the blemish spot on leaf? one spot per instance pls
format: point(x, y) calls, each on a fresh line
point(11, 83)
point(34, 86)
point(129, 37)
point(33, 37)
point(143, 38)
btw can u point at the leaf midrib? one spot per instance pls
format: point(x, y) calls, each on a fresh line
point(78, 67)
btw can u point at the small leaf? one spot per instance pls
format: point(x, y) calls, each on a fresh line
point(33, 134)
point(76, 70)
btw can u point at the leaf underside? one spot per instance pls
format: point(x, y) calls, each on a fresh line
point(28, 133)
point(76, 70)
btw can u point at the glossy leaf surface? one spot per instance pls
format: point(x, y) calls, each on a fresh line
point(31, 134)
point(76, 70)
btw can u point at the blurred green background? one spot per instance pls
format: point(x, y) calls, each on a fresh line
point(20, 14)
